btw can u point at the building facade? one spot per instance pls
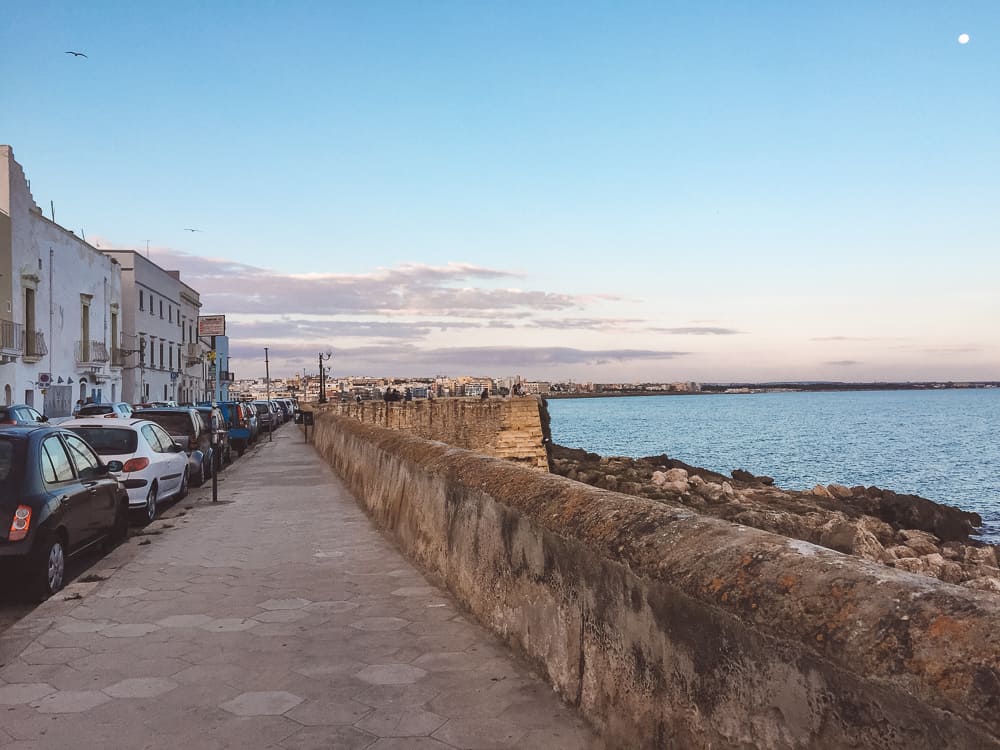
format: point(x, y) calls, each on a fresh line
point(166, 359)
point(60, 307)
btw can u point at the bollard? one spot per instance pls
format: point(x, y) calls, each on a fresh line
point(215, 467)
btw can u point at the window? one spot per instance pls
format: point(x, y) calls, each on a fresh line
point(141, 300)
point(30, 348)
point(171, 359)
point(88, 465)
point(152, 438)
point(55, 463)
point(170, 313)
point(161, 308)
point(161, 355)
point(152, 307)
point(165, 440)
point(114, 339)
point(152, 355)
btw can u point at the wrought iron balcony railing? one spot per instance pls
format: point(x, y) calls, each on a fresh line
point(34, 346)
point(11, 338)
point(91, 351)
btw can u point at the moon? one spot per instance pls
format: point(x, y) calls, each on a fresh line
point(963, 38)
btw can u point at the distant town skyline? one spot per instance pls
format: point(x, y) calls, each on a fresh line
point(600, 193)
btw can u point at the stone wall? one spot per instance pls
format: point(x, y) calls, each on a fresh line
point(674, 630)
point(509, 428)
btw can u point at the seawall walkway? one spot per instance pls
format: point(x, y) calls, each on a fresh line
point(278, 618)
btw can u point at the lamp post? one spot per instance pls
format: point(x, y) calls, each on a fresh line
point(322, 375)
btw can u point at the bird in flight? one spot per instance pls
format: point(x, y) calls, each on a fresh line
point(187, 229)
point(75, 54)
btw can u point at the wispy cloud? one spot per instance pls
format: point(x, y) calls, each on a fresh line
point(698, 331)
point(843, 362)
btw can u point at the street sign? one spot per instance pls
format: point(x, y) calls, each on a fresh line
point(44, 379)
point(211, 325)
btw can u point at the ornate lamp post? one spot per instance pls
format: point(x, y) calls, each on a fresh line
point(322, 375)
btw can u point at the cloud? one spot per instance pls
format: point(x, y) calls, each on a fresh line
point(843, 362)
point(326, 329)
point(698, 331)
point(410, 289)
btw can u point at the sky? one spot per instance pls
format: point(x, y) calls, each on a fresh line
point(588, 191)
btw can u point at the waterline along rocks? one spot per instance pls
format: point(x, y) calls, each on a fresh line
point(901, 531)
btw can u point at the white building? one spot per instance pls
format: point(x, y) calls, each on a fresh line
point(60, 307)
point(167, 360)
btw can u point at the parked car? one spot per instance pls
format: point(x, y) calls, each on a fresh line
point(267, 416)
point(214, 420)
point(57, 498)
point(284, 410)
point(250, 417)
point(236, 416)
point(184, 425)
point(154, 465)
point(118, 409)
point(20, 414)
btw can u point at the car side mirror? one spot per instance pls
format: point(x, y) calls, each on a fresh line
point(176, 447)
point(43, 418)
point(115, 466)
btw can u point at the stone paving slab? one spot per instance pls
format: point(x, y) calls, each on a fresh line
point(278, 618)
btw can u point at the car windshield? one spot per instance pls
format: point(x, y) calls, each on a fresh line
point(11, 464)
point(96, 409)
point(262, 408)
point(109, 441)
point(172, 422)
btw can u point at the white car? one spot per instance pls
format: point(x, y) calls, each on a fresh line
point(155, 467)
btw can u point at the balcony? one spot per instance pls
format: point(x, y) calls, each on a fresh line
point(34, 346)
point(91, 352)
point(118, 355)
point(192, 354)
point(11, 341)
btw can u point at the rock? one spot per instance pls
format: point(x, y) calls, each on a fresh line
point(866, 545)
point(980, 556)
point(727, 490)
point(951, 572)
point(766, 480)
point(838, 534)
point(986, 583)
point(743, 476)
point(839, 490)
point(933, 564)
point(913, 512)
point(610, 482)
point(659, 478)
point(695, 481)
point(677, 488)
point(901, 552)
point(676, 475)
point(920, 542)
point(821, 491)
point(710, 491)
point(909, 564)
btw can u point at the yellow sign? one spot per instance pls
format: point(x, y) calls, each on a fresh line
point(211, 356)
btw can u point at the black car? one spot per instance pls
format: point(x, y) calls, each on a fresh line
point(57, 498)
point(20, 414)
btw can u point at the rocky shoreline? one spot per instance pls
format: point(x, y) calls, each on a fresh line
point(907, 532)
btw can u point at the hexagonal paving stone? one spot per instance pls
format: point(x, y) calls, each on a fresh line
point(413, 722)
point(480, 733)
point(54, 655)
point(132, 630)
point(83, 626)
point(71, 701)
point(14, 695)
point(183, 621)
point(285, 604)
point(340, 605)
point(228, 625)
point(140, 687)
point(315, 713)
point(446, 661)
point(265, 703)
point(390, 674)
point(380, 624)
point(415, 591)
point(281, 615)
point(325, 738)
point(127, 593)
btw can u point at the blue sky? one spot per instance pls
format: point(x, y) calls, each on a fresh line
point(596, 191)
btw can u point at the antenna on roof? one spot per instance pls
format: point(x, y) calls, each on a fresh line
point(52, 210)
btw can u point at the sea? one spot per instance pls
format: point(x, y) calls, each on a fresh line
point(941, 444)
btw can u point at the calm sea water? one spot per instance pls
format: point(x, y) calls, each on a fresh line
point(942, 444)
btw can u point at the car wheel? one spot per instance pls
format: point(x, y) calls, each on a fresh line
point(150, 508)
point(119, 530)
point(48, 567)
point(183, 491)
point(201, 475)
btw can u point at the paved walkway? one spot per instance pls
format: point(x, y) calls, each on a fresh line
point(279, 618)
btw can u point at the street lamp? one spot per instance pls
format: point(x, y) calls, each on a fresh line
point(322, 375)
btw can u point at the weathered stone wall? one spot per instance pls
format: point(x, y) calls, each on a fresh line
point(675, 630)
point(508, 428)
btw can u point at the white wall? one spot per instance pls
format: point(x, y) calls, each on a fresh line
point(64, 272)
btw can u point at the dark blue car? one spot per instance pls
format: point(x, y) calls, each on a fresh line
point(57, 498)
